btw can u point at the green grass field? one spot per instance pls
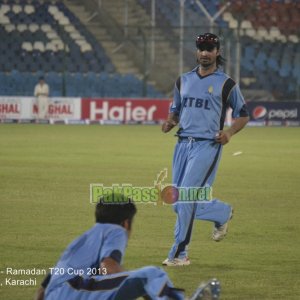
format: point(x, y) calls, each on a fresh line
point(45, 172)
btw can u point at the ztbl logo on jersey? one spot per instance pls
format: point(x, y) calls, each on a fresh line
point(196, 102)
point(259, 112)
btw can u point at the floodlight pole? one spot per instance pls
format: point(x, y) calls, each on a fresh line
point(228, 58)
point(238, 57)
point(298, 91)
point(145, 67)
point(237, 70)
point(126, 18)
point(204, 10)
point(181, 36)
point(210, 18)
point(152, 31)
point(219, 13)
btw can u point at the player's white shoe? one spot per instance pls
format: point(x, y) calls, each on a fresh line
point(208, 291)
point(220, 232)
point(176, 262)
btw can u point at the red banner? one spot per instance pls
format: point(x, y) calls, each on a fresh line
point(125, 109)
point(59, 108)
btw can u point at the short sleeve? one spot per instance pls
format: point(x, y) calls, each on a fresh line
point(114, 245)
point(237, 103)
point(176, 104)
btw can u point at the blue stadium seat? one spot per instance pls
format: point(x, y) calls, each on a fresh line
point(42, 16)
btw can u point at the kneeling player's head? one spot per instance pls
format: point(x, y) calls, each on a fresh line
point(120, 212)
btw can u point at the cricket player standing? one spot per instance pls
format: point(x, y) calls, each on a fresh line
point(201, 98)
point(41, 92)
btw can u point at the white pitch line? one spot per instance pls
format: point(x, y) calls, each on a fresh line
point(237, 153)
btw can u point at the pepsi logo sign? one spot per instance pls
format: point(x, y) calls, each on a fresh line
point(259, 112)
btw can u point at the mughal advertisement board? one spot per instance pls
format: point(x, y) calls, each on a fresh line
point(27, 108)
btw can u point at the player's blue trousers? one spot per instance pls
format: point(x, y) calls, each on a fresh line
point(195, 164)
point(150, 281)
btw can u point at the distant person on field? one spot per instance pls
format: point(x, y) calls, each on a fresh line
point(91, 266)
point(41, 92)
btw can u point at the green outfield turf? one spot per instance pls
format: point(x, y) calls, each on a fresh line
point(45, 172)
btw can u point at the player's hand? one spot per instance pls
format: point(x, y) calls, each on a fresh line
point(110, 266)
point(39, 294)
point(168, 125)
point(223, 137)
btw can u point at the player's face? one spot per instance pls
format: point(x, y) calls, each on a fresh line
point(207, 56)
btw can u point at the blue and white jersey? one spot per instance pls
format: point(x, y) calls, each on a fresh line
point(201, 103)
point(84, 255)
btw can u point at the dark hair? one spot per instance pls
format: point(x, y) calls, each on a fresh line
point(42, 78)
point(220, 60)
point(115, 213)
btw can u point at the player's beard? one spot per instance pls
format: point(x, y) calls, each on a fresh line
point(206, 63)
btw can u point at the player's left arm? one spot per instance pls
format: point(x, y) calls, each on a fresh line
point(239, 113)
point(112, 251)
point(225, 135)
point(110, 266)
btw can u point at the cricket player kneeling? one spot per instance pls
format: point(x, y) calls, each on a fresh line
point(90, 267)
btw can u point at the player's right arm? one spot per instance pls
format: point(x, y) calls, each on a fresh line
point(173, 117)
point(171, 122)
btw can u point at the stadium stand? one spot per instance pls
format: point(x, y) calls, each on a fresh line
point(45, 37)
point(168, 13)
point(270, 45)
point(78, 84)
point(268, 32)
point(48, 37)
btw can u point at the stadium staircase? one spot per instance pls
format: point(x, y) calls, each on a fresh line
point(98, 28)
point(163, 71)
